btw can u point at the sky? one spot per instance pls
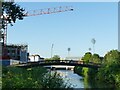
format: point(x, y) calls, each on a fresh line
point(65, 0)
point(71, 29)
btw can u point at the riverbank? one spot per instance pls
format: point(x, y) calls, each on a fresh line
point(90, 78)
point(34, 77)
point(107, 75)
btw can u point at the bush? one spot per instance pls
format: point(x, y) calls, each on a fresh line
point(110, 71)
point(36, 77)
point(53, 80)
point(78, 70)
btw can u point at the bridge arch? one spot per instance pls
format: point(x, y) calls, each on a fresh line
point(63, 62)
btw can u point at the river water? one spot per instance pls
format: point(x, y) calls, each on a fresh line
point(70, 77)
point(77, 81)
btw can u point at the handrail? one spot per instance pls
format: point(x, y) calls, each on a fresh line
point(65, 62)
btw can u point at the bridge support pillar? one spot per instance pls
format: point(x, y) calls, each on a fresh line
point(66, 68)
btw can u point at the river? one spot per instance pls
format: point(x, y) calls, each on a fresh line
point(70, 77)
point(77, 81)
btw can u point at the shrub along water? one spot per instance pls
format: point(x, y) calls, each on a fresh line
point(108, 76)
point(110, 70)
point(35, 77)
point(78, 70)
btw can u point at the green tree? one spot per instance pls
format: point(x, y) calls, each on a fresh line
point(112, 56)
point(53, 80)
point(10, 13)
point(55, 57)
point(47, 59)
point(95, 58)
point(86, 57)
point(110, 71)
point(31, 78)
point(78, 70)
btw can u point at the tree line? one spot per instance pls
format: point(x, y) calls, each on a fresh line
point(109, 72)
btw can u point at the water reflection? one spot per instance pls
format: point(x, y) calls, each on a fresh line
point(70, 77)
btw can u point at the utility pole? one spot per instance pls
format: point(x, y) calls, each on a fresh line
point(119, 26)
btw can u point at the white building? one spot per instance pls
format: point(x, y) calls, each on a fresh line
point(35, 58)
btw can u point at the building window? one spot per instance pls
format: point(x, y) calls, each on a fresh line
point(8, 51)
point(18, 52)
point(13, 51)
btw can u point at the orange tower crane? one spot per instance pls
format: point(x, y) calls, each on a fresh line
point(35, 13)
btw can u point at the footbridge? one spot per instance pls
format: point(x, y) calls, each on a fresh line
point(61, 62)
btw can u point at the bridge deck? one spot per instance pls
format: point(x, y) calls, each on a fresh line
point(62, 62)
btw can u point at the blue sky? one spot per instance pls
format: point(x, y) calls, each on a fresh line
point(68, 29)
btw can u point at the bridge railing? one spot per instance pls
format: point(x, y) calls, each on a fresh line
point(65, 62)
point(61, 61)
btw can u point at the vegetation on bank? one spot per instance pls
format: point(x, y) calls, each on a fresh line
point(108, 75)
point(35, 77)
point(55, 57)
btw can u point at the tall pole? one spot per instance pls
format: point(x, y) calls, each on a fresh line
point(93, 42)
point(69, 52)
point(5, 36)
point(52, 50)
point(119, 26)
point(5, 40)
point(89, 49)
